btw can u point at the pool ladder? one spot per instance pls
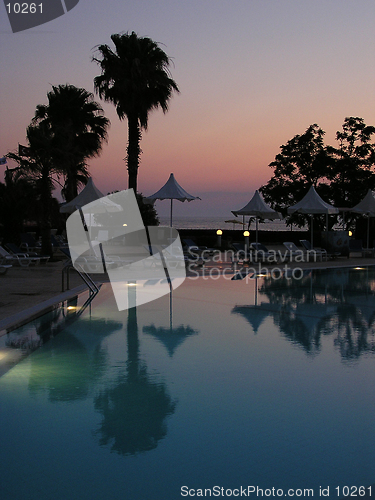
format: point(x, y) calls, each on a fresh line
point(90, 283)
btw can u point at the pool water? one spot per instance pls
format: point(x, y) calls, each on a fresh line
point(257, 382)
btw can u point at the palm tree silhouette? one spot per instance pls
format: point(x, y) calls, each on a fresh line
point(38, 168)
point(61, 136)
point(77, 128)
point(135, 406)
point(19, 193)
point(136, 79)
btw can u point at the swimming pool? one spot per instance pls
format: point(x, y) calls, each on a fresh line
point(226, 384)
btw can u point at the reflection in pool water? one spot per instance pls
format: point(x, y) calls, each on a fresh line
point(340, 303)
point(134, 406)
point(234, 383)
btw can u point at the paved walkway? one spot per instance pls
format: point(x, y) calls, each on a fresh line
point(22, 288)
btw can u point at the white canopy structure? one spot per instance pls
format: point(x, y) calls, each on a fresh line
point(366, 207)
point(88, 194)
point(312, 204)
point(258, 208)
point(172, 191)
point(89, 202)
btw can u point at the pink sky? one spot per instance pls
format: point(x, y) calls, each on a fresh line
point(252, 74)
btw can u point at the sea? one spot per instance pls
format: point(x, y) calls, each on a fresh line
point(199, 222)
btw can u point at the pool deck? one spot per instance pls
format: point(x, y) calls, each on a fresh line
point(26, 291)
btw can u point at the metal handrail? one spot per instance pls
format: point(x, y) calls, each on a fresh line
point(93, 287)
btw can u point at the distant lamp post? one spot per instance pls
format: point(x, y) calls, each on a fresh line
point(219, 232)
point(350, 233)
point(247, 238)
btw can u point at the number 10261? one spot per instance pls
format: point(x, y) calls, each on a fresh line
point(353, 491)
point(24, 8)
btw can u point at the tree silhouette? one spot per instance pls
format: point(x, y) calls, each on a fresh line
point(18, 193)
point(342, 174)
point(77, 128)
point(38, 167)
point(354, 159)
point(136, 79)
point(302, 162)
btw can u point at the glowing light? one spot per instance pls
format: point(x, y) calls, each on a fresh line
point(350, 233)
point(71, 308)
point(359, 268)
point(258, 275)
point(124, 225)
point(246, 233)
point(219, 232)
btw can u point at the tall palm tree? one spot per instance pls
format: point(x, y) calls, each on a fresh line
point(37, 167)
point(17, 200)
point(136, 79)
point(77, 127)
point(61, 137)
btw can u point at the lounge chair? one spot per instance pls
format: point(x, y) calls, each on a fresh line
point(256, 253)
point(28, 243)
point(315, 252)
point(58, 242)
point(15, 250)
point(17, 260)
point(112, 260)
point(35, 257)
point(293, 251)
point(243, 253)
point(172, 260)
point(262, 254)
point(189, 246)
point(94, 263)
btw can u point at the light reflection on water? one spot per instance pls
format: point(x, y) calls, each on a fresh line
point(230, 383)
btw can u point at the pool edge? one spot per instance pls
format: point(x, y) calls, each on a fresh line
point(22, 317)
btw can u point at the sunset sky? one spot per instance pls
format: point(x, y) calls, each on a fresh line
point(252, 74)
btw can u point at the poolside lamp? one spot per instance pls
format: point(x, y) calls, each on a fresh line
point(247, 238)
point(219, 232)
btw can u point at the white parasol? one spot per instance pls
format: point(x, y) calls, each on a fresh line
point(258, 208)
point(312, 204)
point(172, 191)
point(366, 207)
